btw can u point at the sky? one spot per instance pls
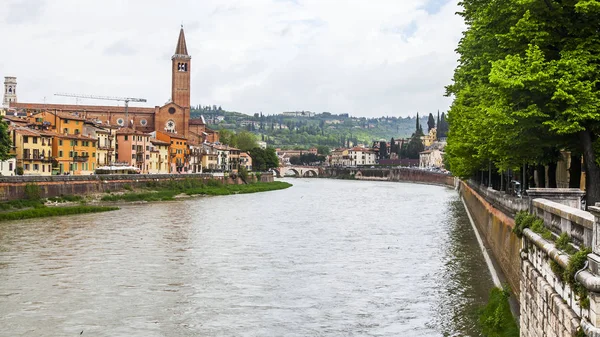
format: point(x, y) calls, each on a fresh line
point(363, 57)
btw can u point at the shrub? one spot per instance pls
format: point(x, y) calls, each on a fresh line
point(495, 318)
point(564, 243)
point(19, 171)
point(32, 192)
point(576, 263)
point(127, 187)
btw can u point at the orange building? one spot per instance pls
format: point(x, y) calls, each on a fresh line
point(133, 148)
point(74, 154)
point(178, 150)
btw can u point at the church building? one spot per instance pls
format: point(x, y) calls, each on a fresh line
point(173, 117)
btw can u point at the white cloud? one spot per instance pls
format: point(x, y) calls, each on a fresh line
point(372, 58)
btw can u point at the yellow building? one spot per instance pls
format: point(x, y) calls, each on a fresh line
point(159, 157)
point(430, 138)
point(74, 154)
point(210, 160)
point(33, 150)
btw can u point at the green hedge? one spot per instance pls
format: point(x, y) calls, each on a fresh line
point(53, 211)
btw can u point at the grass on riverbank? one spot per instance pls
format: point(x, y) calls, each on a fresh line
point(169, 190)
point(44, 211)
point(495, 318)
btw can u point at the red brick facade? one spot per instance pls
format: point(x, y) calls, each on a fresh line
point(175, 113)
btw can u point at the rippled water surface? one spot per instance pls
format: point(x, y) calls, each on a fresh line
point(323, 258)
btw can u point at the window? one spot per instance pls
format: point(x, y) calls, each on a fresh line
point(10, 168)
point(36, 167)
point(94, 154)
point(25, 139)
point(65, 130)
point(147, 148)
point(70, 154)
point(72, 144)
point(26, 167)
point(60, 142)
point(133, 147)
point(126, 137)
point(60, 153)
point(43, 168)
point(133, 156)
point(76, 131)
point(66, 121)
point(35, 140)
point(147, 156)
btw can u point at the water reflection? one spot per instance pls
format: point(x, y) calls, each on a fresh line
point(324, 258)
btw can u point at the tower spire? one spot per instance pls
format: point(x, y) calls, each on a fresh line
point(181, 48)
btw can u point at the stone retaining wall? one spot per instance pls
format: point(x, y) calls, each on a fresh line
point(549, 307)
point(12, 188)
point(392, 174)
point(495, 228)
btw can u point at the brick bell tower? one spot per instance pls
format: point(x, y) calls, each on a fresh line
point(181, 69)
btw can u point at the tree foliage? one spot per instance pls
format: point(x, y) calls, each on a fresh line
point(527, 84)
point(5, 142)
point(264, 159)
point(430, 122)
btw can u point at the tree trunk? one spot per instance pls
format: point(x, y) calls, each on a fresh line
point(552, 175)
point(592, 171)
point(575, 172)
point(531, 176)
point(541, 175)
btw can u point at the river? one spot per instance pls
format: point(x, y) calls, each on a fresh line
point(322, 258)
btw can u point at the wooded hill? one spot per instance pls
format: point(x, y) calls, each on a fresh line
point(332, 130)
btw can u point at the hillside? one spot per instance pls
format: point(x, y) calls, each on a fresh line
point(305, 129)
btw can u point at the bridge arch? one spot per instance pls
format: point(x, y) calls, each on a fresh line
point(310, 173)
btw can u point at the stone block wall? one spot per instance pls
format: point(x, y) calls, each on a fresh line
point(13, 188)
point(548, 306)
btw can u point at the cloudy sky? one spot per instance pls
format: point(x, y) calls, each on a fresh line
point(363, 57)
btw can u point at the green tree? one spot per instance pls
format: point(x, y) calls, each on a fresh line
point(227, 137)
point(245, 141)
point(430, 122)
point(323, 150)
point(5, 142)
point(414, 146)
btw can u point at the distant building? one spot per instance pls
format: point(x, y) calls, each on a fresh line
point(431, 158)
point(262, 144)
point(298, 114)
point(430, 138)
point(360, 156)
point(10, 91)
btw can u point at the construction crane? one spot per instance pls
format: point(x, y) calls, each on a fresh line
point(108, 98)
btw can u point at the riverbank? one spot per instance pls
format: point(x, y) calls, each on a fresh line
point(36, 207)
point(172, 190)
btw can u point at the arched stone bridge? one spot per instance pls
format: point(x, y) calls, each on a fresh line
point(298, 171)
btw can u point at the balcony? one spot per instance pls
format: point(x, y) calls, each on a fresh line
point(37, 158)
point(81, 159)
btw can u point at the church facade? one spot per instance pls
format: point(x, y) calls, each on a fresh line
point(173, 117)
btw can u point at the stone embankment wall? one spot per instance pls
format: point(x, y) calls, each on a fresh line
point(495, 228)
point(12, 188)
point(508, 204)
point(391, 174)
point(549, 306)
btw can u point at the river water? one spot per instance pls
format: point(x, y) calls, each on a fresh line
point(322, 258)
